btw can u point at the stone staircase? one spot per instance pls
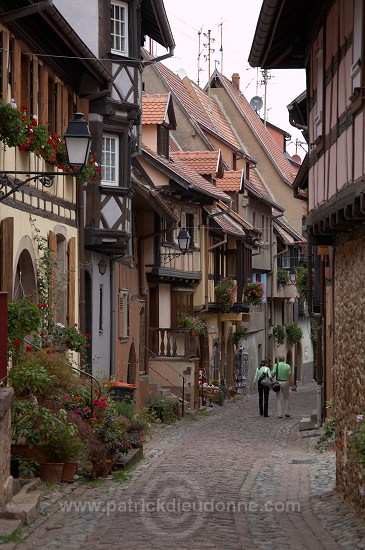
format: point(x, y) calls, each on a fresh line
point(309, 423)
point(23, 508)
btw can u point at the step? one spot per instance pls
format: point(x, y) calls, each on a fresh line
point(25, 505)
point(307, 424)
point(133, 456)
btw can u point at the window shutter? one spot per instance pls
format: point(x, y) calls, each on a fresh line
point(71, 281)
point(123, 313)
point(183, 220)
point(196, 230)
point(176, 231)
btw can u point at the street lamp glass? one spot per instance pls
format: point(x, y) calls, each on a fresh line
point(292, 273)
point(184, 240)
point(78, 142)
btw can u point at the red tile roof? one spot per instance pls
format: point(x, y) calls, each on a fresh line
point(190, 176)
point(154, 108)
point(231, 181)
point(263, 135)
point(204, 162)
point(212, 121)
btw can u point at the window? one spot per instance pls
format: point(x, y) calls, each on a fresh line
point(181, 304)
point(109, 160)
point(163, 141)
point(119, 27)
point(231, 264)
point(123, 314)
point(357, 45)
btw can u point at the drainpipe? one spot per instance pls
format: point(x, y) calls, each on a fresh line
point(82, 260)
point(319, 329)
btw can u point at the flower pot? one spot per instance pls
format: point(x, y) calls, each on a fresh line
point(51, 471)
point(105, 471)
point(68, 471)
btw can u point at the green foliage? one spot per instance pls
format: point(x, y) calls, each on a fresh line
point(28, 467)
point(190, 322)
point(225, 292)
point(60, 447)
point(33, 425)
point(15, 536)
point(238, 334)
point(358, 439)
point(24, 317)
point(283, 277)
point(301, 282)
point(294, 333)
point(254, 292)
point(125, 409)
point(30, 379)
point(165, 408)
point(279, 334)
point(328, 437)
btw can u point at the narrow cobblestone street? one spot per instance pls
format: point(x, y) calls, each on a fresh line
point(229, 480)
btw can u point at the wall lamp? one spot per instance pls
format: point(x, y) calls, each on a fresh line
point(78, 143)
point(102, 265)
point(183, 239)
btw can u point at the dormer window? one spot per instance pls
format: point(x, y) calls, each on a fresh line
point(163, 135)
point(247, 171)
point(119, 27)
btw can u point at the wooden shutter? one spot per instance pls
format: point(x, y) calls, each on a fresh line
point(6, 255)
point(52, 244)
point(17, 76)
point(196, 230)
point(71, 281)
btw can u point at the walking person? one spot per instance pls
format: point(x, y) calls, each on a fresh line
point(263, 390)
point(283, 374)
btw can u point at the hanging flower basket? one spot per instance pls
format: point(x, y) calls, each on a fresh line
point(254, 293)
point(20, 129)
point(225, 292)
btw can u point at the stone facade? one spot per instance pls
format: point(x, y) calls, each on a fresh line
point(349, 372)
point(6, 481)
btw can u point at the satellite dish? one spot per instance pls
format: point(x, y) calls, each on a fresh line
point(182, 73)
point(256, 103)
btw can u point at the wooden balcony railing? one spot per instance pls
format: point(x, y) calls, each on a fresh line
point(174, 342)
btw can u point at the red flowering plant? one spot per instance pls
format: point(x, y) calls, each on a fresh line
point(226, 292)
point(254, 292)
point(20, 129)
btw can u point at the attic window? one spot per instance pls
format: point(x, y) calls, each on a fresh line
point(119, 27)
point(163, 141)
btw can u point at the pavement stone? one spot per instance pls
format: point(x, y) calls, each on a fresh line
point(230, 480)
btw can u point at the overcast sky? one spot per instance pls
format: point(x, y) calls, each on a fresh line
point(232, 24)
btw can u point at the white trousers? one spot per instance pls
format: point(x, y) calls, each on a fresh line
point(282, 398)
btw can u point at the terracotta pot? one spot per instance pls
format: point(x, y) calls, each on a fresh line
point(106, 468)
point(68, 471)
point(51, 471)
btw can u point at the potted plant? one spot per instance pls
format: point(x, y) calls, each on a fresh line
point(30, 379)
point(63, 448)
point(196, 324)
point(301, 282)
point(283, 277)
point(254, 292)
point(225, 292)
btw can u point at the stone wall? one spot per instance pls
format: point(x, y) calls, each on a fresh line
point(349, 365)
point(6, 481)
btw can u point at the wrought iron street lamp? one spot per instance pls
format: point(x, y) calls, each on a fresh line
point(292, 274)
point(78, 143)
point(183, 239)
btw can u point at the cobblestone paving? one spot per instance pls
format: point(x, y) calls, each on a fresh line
point(231, 480)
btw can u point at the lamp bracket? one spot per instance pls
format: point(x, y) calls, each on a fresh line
point(15, 183)
point(167, 257)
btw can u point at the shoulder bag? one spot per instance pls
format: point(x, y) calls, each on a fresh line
point(276, 385)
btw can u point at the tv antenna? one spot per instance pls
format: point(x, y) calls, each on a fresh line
point(266, 76)
point(199, 54)
point(207, 57)
point(221, 48)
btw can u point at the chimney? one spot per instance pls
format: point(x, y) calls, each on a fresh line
point(236, 80)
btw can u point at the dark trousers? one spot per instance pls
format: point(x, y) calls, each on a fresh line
point(263, 397)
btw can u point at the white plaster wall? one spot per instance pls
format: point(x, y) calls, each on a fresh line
point(101, 339)
point(165, 306)
point(82, 15)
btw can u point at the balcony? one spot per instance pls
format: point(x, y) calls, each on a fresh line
point(177, 343)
